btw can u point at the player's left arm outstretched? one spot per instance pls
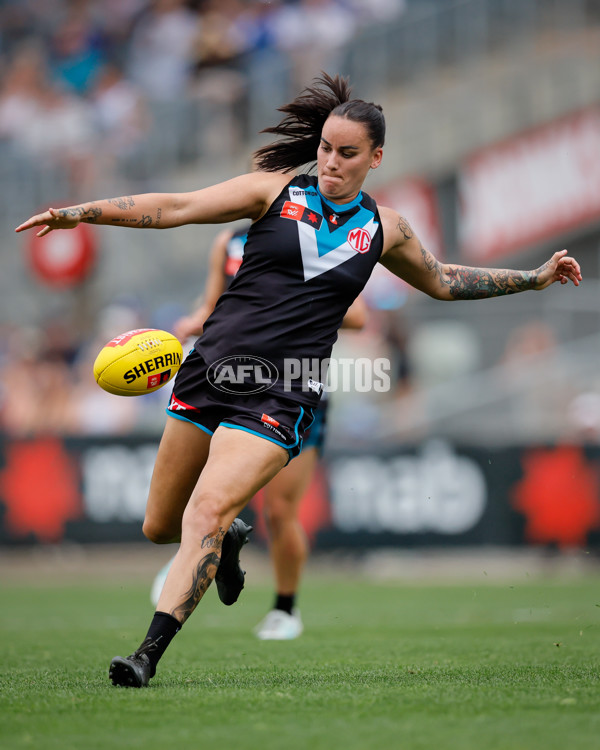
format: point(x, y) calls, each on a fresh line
point(405, 257)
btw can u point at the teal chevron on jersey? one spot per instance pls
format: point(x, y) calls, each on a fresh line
point(329, 246)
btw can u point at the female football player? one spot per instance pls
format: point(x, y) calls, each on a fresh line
point(312, 246)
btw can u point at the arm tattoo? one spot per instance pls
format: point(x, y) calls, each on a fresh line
point(124, 203)
point(405, 228)
point(464, 282)
point(158, 215)
point(201, 580)
point(89, 215)
point(431, 264)
point(480, 283)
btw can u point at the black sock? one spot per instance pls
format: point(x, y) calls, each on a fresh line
point(285, 603)
point(161, 632)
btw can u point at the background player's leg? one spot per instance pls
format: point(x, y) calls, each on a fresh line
point(287, 541)
point(288, 545)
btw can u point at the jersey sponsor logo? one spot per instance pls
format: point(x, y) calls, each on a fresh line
point(359, 239)
point(301, 213)
point(310, 191)
point(269, 420)
point(176, 405)
point(279, 434)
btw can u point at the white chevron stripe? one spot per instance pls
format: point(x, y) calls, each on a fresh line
point(313, 264)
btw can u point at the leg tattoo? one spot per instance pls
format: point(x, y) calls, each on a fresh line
point(201, 580)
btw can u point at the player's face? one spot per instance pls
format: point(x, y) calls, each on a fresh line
point(344, 158)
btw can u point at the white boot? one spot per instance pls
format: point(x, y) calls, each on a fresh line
point(279, 626)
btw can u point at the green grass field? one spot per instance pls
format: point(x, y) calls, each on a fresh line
point(380, 666)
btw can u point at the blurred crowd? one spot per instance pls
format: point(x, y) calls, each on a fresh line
point(83, 79)
point(47, 381)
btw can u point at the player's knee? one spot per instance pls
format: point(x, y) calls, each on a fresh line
point(280, 504)
point(157, 532)
point(208, 514)
point(278, 512)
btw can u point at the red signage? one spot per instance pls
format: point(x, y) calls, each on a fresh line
point(39, 486)
point(531, 188)
point(558, 496)
point(415, 200)
point(63, 258)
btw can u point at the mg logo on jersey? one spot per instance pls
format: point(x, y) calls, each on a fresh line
point(359, 240)
point(322, 250)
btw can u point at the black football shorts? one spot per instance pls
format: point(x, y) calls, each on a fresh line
point(264, 414)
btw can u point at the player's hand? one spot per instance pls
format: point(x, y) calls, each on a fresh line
point(561, 267)
point(53, 218)
point(189, 326)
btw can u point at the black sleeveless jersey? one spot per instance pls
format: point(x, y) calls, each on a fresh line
point(305, 262)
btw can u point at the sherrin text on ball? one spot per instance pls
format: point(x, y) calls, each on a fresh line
point(137, 362)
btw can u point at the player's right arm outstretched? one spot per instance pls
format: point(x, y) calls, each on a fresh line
point(244, 197)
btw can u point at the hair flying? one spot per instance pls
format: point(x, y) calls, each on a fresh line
point(300, 129)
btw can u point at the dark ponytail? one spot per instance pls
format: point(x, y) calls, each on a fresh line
point(304, 119)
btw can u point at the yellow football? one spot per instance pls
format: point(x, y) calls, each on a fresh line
point(138, 362)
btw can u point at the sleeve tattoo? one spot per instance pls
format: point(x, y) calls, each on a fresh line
point(468, 283)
